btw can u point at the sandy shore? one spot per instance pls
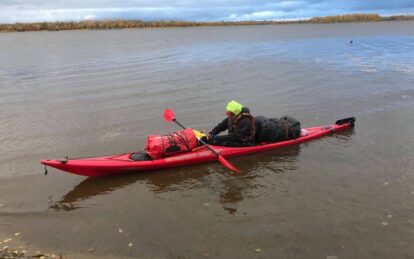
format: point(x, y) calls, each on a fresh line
point(13, 246)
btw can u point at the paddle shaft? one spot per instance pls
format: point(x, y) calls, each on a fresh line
point(169, 116)
point(202, 141)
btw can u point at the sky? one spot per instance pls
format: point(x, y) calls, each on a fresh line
point(12, 11)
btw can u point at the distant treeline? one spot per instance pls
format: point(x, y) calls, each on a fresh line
point(358, 18)
point(124, 24)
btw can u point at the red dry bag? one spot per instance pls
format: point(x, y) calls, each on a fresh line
point(174, 143)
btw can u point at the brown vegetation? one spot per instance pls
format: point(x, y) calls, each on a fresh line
point(125, 24)
point(347, 18)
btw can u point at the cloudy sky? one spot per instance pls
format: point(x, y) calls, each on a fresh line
point(12, 11)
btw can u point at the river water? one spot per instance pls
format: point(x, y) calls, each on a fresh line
point(90, 93)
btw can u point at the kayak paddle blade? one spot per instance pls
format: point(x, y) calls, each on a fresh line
point(169, 115)
point(227, 164)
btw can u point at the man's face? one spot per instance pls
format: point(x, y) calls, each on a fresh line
point(230, 114)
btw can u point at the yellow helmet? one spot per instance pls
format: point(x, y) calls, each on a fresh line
point(234, 107)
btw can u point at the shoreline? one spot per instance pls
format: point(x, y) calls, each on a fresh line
point(139, 24)
point(12, 246)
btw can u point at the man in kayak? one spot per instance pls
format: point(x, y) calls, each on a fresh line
point(240, 125)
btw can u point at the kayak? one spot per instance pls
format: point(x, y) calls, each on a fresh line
point(122, 163)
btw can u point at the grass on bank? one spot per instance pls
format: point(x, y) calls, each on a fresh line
point(125, 24)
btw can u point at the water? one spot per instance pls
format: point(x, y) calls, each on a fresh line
point(86, 93)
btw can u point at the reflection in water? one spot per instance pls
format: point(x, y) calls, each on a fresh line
point(235, 189)
point(344, 136)
point(231, 189)
point(160, 181)
point(91, 187)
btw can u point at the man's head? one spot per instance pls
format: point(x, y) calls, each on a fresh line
point(233, 108)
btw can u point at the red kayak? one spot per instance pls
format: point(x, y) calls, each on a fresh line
point(117, 164)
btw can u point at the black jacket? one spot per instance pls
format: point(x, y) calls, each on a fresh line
point(243, 129)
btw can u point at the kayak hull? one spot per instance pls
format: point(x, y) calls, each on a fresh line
point(117, 164)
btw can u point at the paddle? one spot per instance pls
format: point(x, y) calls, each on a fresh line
point(169, 116)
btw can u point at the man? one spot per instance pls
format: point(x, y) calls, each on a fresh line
point(240, 125)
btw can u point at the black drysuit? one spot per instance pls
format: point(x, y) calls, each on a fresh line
point(241, 131)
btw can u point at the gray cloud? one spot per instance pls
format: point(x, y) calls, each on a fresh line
point(200, 10)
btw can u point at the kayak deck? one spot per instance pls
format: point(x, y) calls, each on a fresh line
point(115, 164)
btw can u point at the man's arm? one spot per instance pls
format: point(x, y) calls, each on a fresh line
point(222, 126)
point(241, 131)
